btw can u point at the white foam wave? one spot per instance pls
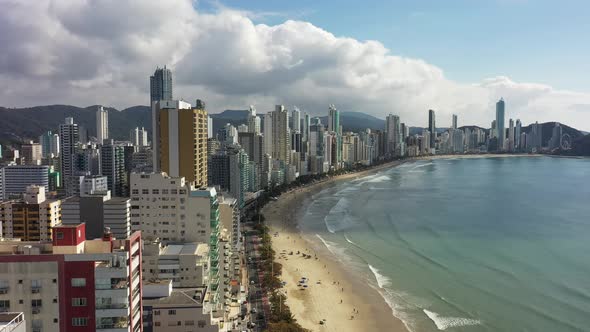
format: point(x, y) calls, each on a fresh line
point(340, 217)
point(379, 179)
point(382, 280)
point(443, 323)
point(349, 241)
point(423, 165)
point(336, 250)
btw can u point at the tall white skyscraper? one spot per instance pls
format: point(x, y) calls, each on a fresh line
point(306, 124)
point(102, 124)
point(394, 133)
point(296, 119)
point(138, 137)
point(454, 124)
point(500, 123)
point(209, 127)
point(268, 143)
point(253, 121)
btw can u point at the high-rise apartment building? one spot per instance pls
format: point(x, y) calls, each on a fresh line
point(296, 119)
point(46, 140)
point(102, 124)
point(69, 137)
point(253, 121)
point(30, 218)
point(510, 135)
point(180, 140)
point(500, 123)
point(454, 122)
point(268, 143)
point(139, 137)
point(517, 133)
point(281, 138)
point(306, 124)
point(113, 167)
point(432, 128)
point(73, 284)
point(32, 153)
point(161, 85)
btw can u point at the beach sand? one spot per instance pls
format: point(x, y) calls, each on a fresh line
point(339, 296)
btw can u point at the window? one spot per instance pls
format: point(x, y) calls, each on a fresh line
point(20, 301)
point(79, 282)
point(36, 303)
point(59, 235)
point(156, 312)
point(155, 191)
point(78, 302)
point(156, 323)
point(4, 305)
point(79, 321)
point(135, 191)
point(202, 323)
point(171, 312)
point(164, 191)
point(174, 191)
point(35, 284)
point(145, 191)
point(189, 322)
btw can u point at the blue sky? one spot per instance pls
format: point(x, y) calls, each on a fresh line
point(530, 41)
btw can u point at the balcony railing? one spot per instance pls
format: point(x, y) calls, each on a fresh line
point(112, 306)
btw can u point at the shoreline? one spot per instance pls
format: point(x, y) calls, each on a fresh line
point(347, 303)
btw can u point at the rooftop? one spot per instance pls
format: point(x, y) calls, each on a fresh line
point(179, 296)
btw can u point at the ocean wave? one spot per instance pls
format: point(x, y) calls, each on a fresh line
point(379, 179)
point(340, 217)
point(443, 323)
point(423, 165)
point(349, 241)
point(382, 281)
point(336, 250)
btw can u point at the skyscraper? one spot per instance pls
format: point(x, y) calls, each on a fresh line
point(68, 135)
point(253, 121)
point(334, 120)
point(281, 137)
point(500, 123)
point(268, 143)
point(517, 132)
point(306, 124)
point(138, 137)
point(394, 134)
point(102, 124)
point(112, 161)
point(180, 140)
point(511, 135)
point(454, 124)
point(161, 85)
point(296, 119)
point(432, 128)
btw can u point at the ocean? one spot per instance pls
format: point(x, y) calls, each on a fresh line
point(483, 244)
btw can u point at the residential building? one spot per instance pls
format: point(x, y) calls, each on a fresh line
point(139, 137)
point(161, 85)
point(268, 130)
point(32, 153)
point(69, 138)
point(296, 120)
point(113, 167)
point(281, 145)
point(454, 122)
point(175, 310)
point(432, 128)
point(500, 123)
point(517, 135)
point(98, 210)
point(13, 322)
point(183, 263)
point(180, 140)
point(16, 179)
point(73, 284)
point(102, 124)
point(30, 218)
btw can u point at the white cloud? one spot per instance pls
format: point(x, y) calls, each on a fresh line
point(90, 52)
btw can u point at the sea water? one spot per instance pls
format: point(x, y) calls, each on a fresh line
point(489, 244)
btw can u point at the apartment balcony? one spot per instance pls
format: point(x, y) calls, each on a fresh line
point(113, 312)
point(12, 321)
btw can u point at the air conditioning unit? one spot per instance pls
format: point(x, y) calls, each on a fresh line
point(36, 310)
point(35, 290)
point(3, 290)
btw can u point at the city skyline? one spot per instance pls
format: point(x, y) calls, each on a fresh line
point(359, 74)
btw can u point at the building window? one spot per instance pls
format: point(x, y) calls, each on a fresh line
point(156, 323)
point(189, 322)
point(135, 191)
point(80, 321)
point(202, 323)
point(171, 312)
point(78, 302)
point(156, 312)
point(145, 192)
point(78, 282)
point(4, 305)
point(155, 191)
point(36, 303)
point(59, 235)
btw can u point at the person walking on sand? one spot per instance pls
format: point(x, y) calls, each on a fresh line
point(340, 301)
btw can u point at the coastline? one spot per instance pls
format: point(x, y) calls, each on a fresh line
point(323, 301)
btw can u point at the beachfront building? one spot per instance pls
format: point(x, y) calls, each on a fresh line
point(31, 218)
point(73, 284)
point(166, 309)
point(174, 211)
point(180, 140)
point(185, 264)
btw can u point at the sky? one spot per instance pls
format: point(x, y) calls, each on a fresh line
point(378, 57)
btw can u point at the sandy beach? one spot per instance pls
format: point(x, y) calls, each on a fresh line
point(332, 294)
